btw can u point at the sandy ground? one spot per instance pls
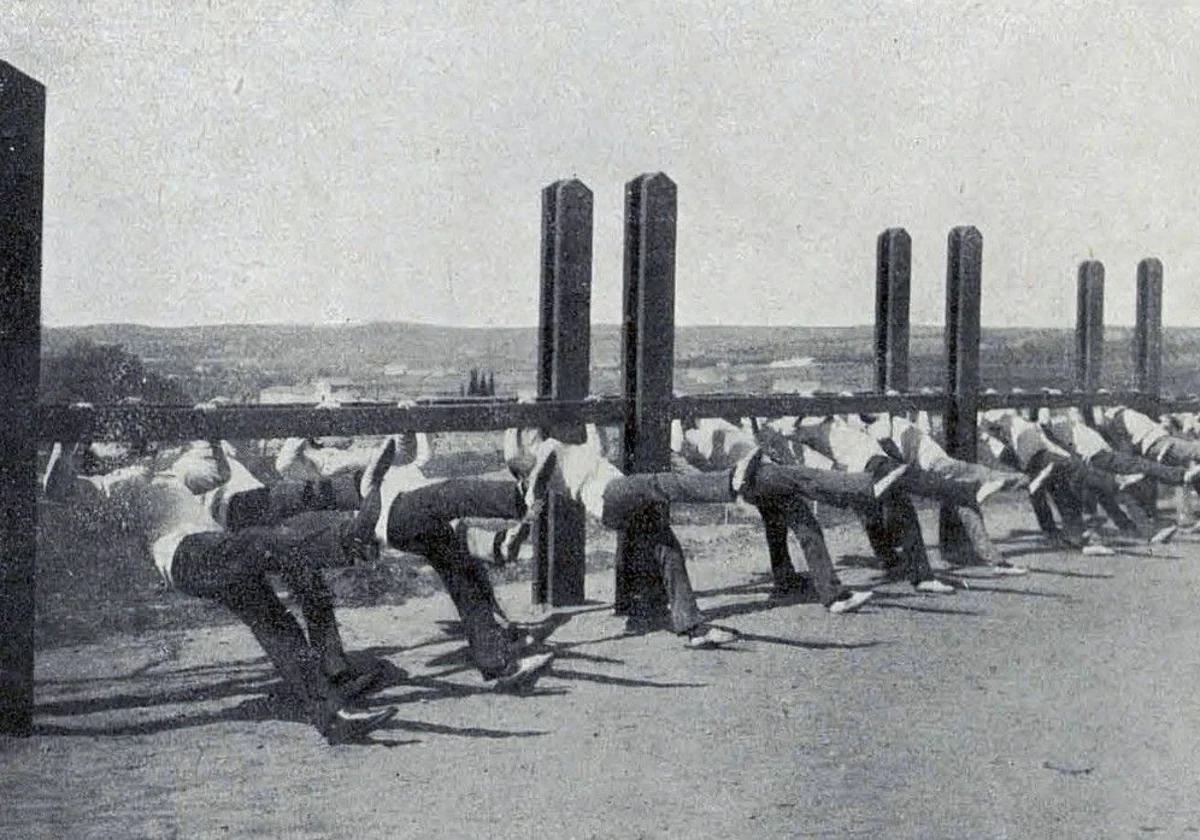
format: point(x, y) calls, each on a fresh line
point(1062, 704)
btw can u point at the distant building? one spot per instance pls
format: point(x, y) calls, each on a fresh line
point(286, 395)
point(338, 389)
point(332, 389)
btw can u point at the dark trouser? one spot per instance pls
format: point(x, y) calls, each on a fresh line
point(892, 522)
point(779, 493)
point(289, 497)
point(1090, 484)
point(849, 490)
point(638, 505)
point(927, 485)
point(781, 513)
point(419, 522)
point(967, 524)
point(232, 567)
point(1176, 451)
point(1063, 487)
point(1126, 463)
point(627, 496)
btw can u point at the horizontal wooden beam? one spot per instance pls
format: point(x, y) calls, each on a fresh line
point(249, 422)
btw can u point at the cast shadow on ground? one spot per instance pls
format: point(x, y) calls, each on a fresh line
point(256, 709)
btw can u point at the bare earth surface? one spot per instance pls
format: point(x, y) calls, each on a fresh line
point(1062, 704)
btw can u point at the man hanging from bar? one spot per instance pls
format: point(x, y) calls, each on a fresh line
point(168, 497)
point(714, 444)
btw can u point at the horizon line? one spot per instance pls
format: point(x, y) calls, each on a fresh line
point(612, 324)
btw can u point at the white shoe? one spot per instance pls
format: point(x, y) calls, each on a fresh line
point(1191, 474)
point(850, 602)
point(1126, 481)
point(537, 484)
point(1097, 550)
point(710, 637)
point(1008, 570)
point(377, 467)
point(1164, 535)
point(933, 586)
point(1041, 478)
point(743, 471)
point(884, 484)
point(988, 489)
point(509, 548)
point(523, 674)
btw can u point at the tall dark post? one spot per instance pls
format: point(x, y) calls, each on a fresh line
point(564, 359)
point(648, 355)
point(1089, 326)
point(964, 269)
point(22, 136)
point(893, 278)
point(1147, 333)
point(1147, 361)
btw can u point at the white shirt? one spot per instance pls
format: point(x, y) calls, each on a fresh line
point(715, 444)
point(1142, 431)
point(1023, 437)
point(1086, 441)
point(169, 505)
point(846, 446)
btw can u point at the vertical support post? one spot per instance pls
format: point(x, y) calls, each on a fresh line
point(1089, 326)
point(964, 271)
point(22, 140)
point(893, 279)
point(1147, 366)
point(564, 362)
point(648, 372)
point(1147, 331)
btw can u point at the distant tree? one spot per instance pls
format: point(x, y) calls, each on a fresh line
point(103, 373)
point(473, 386)
point(491, 384)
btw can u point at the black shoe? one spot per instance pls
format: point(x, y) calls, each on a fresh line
point(348, 725)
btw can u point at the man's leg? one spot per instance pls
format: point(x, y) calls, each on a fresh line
point(852, 490)
point(775, 529)
point(808, 533)
point(210, 566)
point(412, 513)
point(1178, 451)
point(681, 599)
point(1126, 463)
point(901, 518)
point(470, 589)
point(627, 496)
point(686, 617)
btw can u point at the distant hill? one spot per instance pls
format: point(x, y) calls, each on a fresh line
point(408, 358)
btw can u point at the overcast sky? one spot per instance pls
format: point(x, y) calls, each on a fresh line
point(332, 160)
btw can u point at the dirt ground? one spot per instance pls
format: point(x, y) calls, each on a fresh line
point(1061, 704)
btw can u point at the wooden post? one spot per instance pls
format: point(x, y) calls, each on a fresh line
point(22, 138)
point(564, 360)
point(1089, 326)
point(1147, 366)
point(893, 278)
point(1147, 332)
point(648, 356)
point(964, 268)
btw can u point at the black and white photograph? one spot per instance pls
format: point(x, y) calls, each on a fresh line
point(650, 420)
